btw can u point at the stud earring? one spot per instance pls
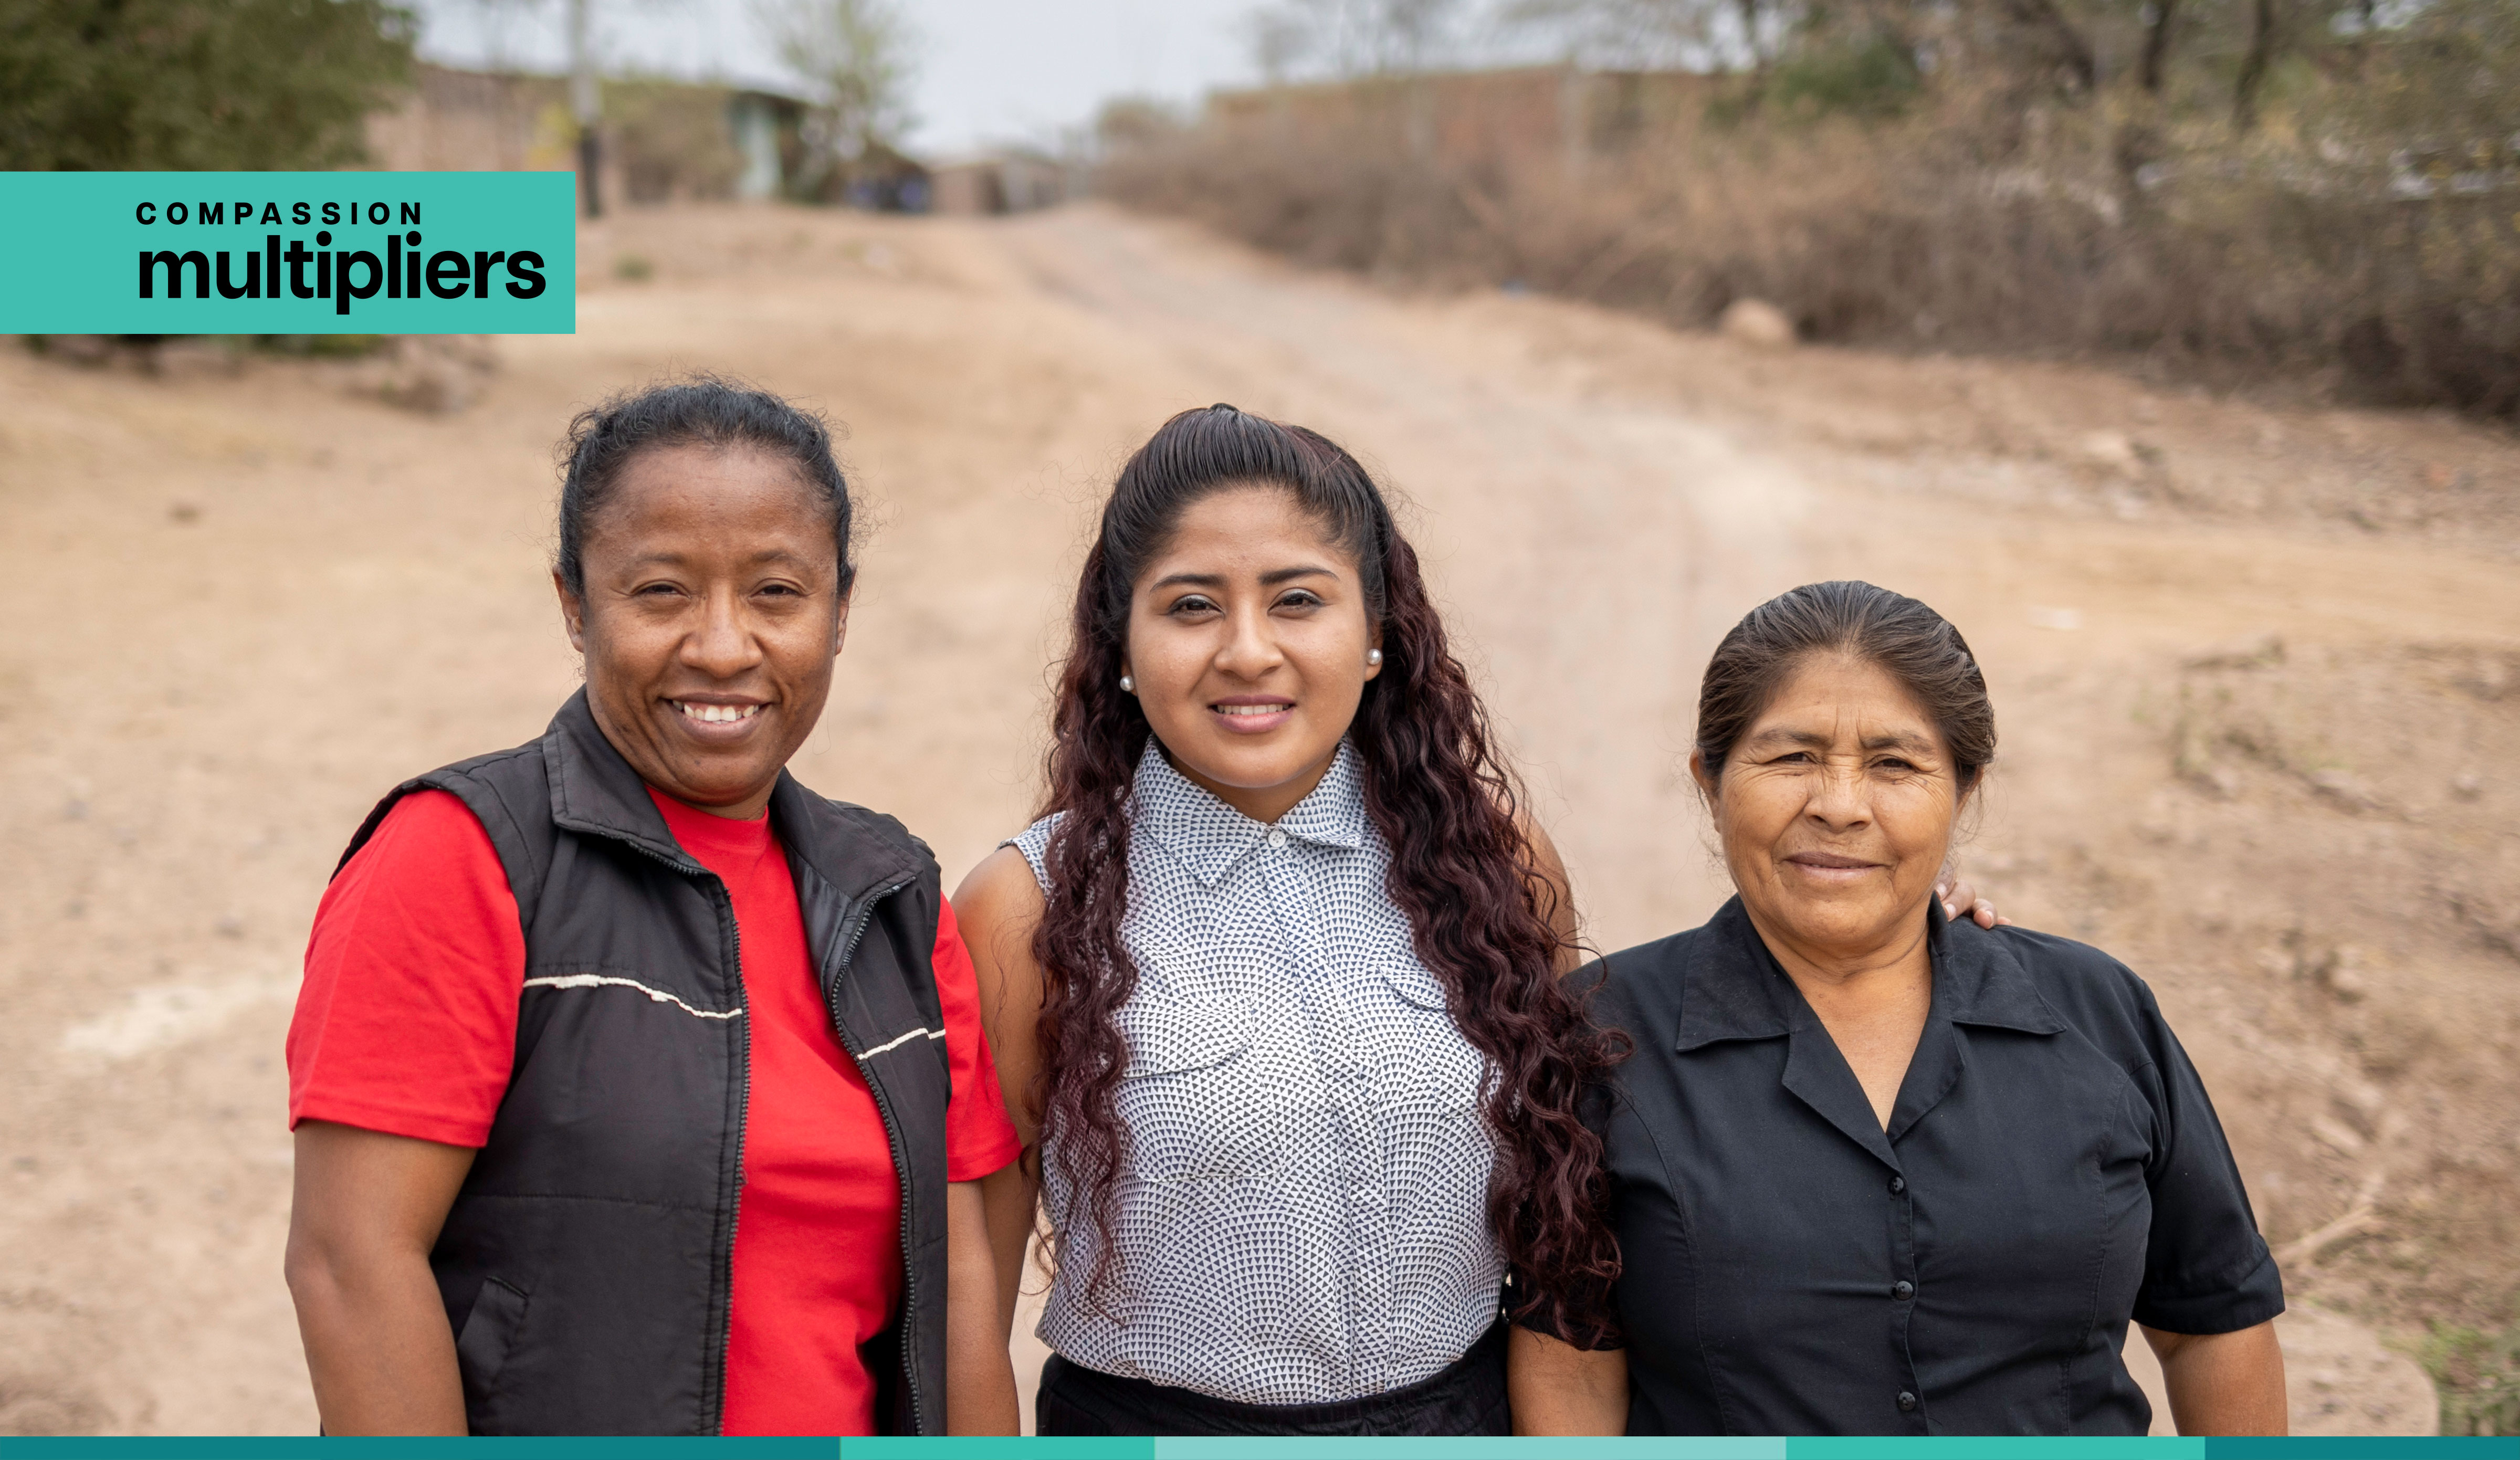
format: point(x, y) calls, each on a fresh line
point(1128, 686)
point(1373, 659)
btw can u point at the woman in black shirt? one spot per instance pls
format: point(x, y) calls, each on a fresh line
point(1876, 1174)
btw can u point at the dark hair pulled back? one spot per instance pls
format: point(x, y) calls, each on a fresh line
point(700, 410)
point(1461, 867)
point(1906, 640)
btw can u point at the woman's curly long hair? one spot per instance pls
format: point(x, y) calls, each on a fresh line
point(1445, 802)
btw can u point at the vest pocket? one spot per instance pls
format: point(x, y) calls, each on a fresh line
point(489, 1335)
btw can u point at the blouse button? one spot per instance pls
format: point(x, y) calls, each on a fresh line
point(1907, 1402)
point(1903, 1290)
point(1898, 1184)
point(1277, 839)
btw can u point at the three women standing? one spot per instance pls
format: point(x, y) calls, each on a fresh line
point(637, 1090)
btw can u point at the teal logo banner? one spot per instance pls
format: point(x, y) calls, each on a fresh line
point(288, 252)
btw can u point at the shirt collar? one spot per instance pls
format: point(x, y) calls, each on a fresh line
point(1983, 982)
point(1207, 836)
point(1737, 990)
point(594, 791)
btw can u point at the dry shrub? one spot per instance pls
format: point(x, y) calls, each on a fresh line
point(1975, 222)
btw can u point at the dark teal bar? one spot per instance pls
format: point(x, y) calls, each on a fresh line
point(2363, 1447)
point(1993, 1447)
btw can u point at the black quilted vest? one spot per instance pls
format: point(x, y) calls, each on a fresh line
point(586, 1264)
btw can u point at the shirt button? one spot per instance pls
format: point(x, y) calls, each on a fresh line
point(1903, 1290)
point(1276, 839)
point(1898, 1184)
point(1907, 1402)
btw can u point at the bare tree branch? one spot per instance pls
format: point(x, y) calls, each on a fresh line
point(2156, 44)
point(2253, 66)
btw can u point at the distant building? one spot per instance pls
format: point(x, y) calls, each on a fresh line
point(475, 121)
point(882, 180)
point(664, 141)
point(1006, 181)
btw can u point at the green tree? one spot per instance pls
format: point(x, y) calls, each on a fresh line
point(860, 57)
point(111, 85)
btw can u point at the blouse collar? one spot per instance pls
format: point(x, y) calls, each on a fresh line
point(1208, 836)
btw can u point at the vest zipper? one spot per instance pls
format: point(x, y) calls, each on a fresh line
point(859, 917)
point(742, 1126)
point(742, 1129)
point(858, 920)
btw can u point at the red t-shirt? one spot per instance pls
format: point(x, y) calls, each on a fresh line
point(407, 1023)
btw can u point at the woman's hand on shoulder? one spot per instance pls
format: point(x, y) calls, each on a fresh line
point(1959, 899)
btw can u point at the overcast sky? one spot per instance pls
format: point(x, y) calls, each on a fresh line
point(990, 70)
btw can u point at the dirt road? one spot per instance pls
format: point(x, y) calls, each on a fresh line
point(2257, 668)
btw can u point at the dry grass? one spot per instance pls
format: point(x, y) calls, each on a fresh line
point(1977, 224)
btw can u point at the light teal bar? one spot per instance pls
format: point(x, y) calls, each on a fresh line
point(1676, 1448)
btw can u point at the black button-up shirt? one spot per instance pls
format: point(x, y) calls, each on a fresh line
point(2051, 1168)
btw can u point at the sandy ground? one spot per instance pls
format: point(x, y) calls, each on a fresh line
point(2257, 669)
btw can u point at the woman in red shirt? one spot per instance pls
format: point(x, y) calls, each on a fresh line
point(636, 1089)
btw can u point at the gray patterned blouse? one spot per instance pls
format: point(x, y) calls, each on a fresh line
point(1303, 1214)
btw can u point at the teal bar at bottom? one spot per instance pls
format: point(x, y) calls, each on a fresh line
point(1683, 1447)
point(1258, 1448)
point(1995, 1447)
point(2361, 1447)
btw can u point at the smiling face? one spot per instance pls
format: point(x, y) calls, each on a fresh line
point(1836, 809)
point(710, 621)
point(1248, 642)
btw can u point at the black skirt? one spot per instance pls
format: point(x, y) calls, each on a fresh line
point(1467, 1398)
